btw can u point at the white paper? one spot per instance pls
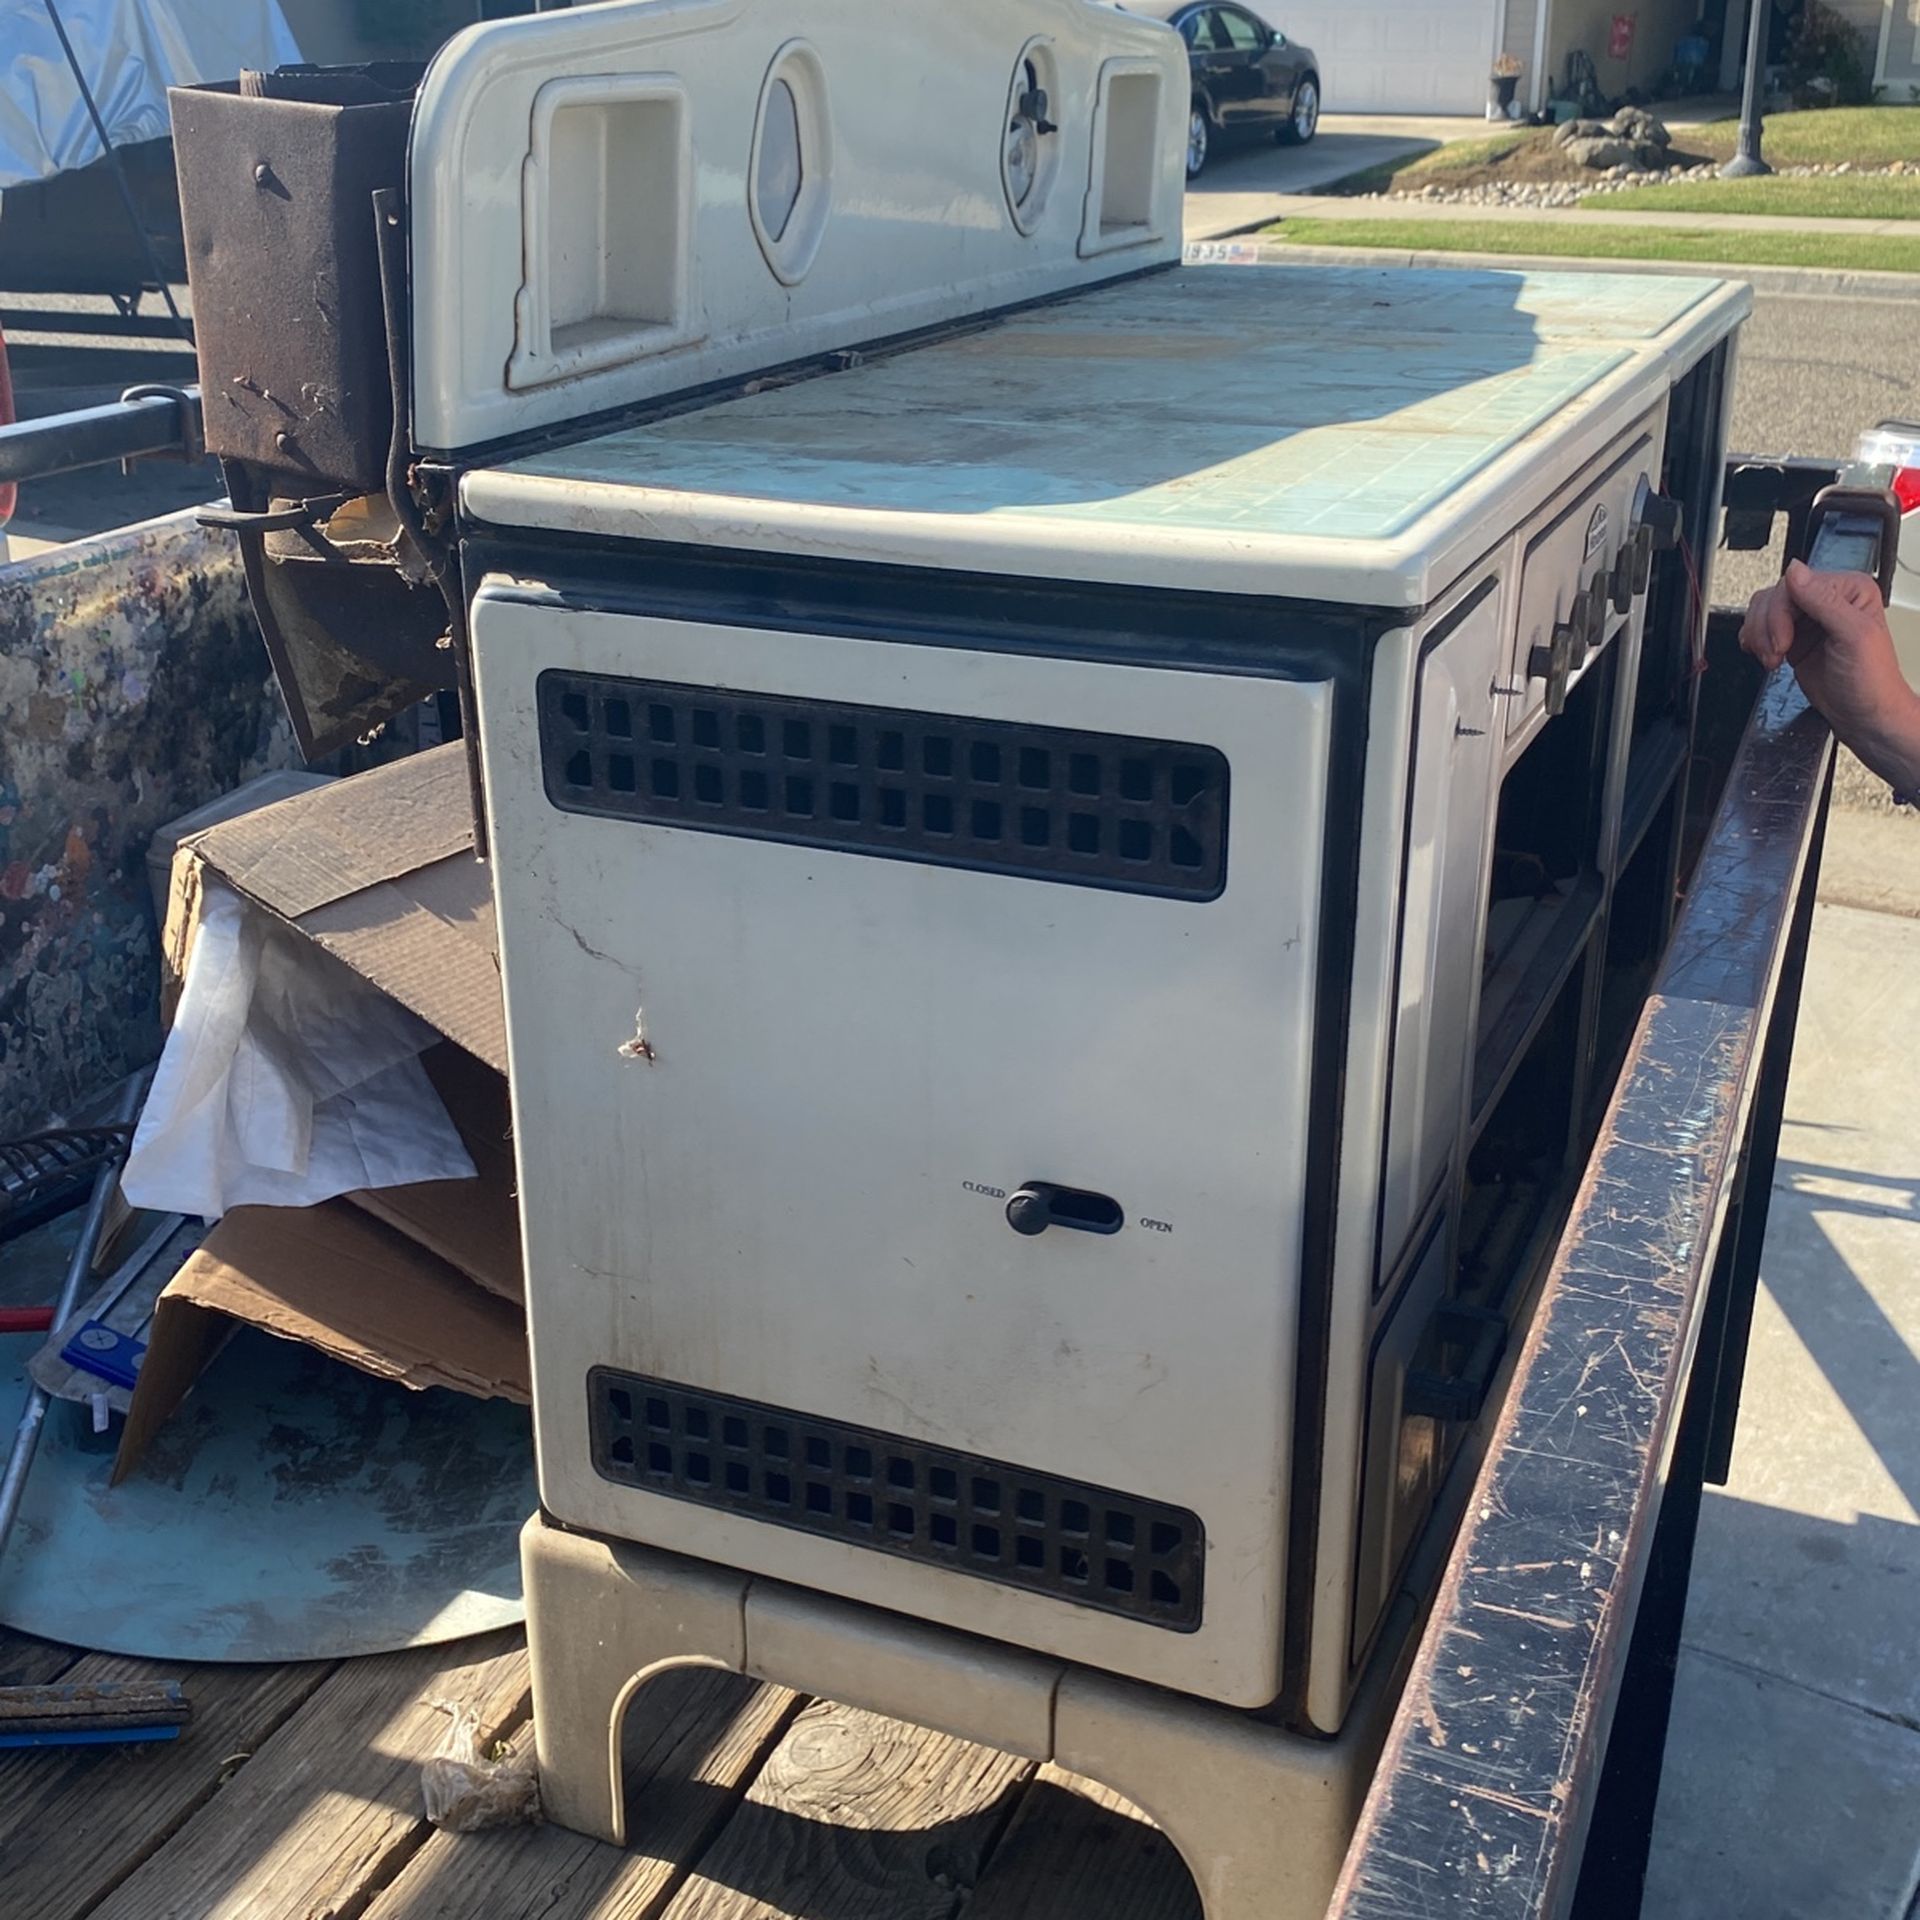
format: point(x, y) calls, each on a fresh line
point(287, 1079)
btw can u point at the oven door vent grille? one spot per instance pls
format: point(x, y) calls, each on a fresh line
point(1112, 1551)
point(1045, 803)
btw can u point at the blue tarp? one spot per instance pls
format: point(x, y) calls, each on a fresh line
point(131, 52)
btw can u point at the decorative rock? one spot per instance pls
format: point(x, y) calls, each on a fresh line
point(1601, 151)
point(1641, 127)
point(1642, 162)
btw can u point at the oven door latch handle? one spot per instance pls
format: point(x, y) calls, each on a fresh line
point(1039, 1204)
point(1478, 1337)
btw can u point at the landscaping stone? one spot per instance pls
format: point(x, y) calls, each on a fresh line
point(1602, 150)
point(1641, 127)
point(1619, 178)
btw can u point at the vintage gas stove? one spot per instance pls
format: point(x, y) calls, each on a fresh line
point(1076, 838)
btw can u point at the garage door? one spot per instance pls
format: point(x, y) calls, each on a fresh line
point(1395, 56)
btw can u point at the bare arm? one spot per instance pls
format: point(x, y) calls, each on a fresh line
point(1833, 629)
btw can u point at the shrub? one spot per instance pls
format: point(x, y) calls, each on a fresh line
point(1829, 62)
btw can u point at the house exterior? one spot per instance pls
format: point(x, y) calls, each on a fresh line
point(1890, 30)
point(1376, 56)
point(1434, 56)
point(1894, 27)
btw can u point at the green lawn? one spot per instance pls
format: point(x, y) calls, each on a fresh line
point(1845, 196)
point(1568, 239)
point(1868, 136)
point(1429, 167)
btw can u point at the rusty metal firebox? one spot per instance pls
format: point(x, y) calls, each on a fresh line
point(278, 178)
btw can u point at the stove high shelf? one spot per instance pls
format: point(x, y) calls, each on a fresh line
point(1077, 843)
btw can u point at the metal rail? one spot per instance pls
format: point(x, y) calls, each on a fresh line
point(146, 421)
point(16, 321)
point(1519, 1779)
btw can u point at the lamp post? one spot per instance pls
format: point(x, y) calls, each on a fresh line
point(1746, 160)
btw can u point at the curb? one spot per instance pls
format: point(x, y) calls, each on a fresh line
point(1832, 282)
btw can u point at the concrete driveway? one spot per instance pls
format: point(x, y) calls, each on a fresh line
point(1243, 186)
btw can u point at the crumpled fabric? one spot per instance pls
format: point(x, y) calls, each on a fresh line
point(286, 1080)
point(131, 52)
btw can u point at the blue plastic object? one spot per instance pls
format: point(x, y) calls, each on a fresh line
point(101, 1349)
point(91, 1737)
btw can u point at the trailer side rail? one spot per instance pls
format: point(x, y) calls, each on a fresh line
point(1500, 1794)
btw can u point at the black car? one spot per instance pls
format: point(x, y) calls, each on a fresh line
point(1247, 79)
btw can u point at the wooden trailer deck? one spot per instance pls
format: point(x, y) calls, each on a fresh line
point(295, 1793)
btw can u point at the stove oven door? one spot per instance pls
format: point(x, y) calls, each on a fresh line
point(910, 1061)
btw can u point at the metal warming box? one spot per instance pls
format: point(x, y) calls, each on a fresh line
point(1077, 838)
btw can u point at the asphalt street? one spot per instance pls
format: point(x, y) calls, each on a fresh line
point(1816, 368)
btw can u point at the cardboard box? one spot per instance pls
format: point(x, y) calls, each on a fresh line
point(378, 870)
point(262, 791)
point(420, 1284)
point(336, 1279)
point(473, 1225)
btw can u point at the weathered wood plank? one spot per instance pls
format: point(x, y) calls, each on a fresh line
point(328, 1810)
point(76, 1822)
point(77, 1706)
point(695, 1741)
point(1077, 1851)
point(857, 1818)
point(27, 1662)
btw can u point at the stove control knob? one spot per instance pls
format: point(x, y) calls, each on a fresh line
point(1596, 608)
point(1642, 559)
point(1555, 662)
point(1621, 583)
point(1660, 515)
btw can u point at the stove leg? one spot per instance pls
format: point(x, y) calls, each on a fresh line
point(1261, 1816)
point(602, 1620)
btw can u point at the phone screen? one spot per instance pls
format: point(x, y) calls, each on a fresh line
point(1840, 548)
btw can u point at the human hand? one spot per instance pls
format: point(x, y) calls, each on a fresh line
point(1832, 627)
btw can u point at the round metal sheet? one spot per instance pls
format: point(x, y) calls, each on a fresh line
point(291, 1509)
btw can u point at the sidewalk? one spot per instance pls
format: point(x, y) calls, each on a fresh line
point(1243, 185)
point(1792, 1782)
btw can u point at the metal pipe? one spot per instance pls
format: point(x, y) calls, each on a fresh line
point(94, 437)
point(136, 1263)
point(26, 1439)
point(1746, 162)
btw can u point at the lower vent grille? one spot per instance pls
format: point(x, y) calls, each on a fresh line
point(1094, 1547)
